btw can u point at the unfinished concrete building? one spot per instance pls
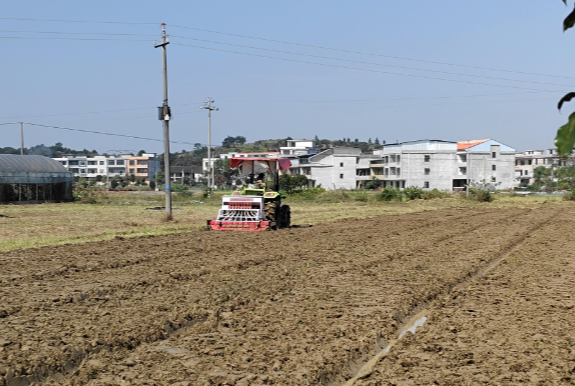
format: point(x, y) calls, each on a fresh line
point(32, 179)
point(447, 165)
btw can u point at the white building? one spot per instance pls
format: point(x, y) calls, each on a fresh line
point(334, 168)
point(297, 147)
point(111, 165)
point(445, 165)
point(91, 167)
point(526, 163)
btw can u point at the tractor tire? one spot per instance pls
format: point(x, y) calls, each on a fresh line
point(285, 216)
point(270, 210)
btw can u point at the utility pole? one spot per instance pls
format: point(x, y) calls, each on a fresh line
point(164, 114)
point(208, 106)
point(21, 138)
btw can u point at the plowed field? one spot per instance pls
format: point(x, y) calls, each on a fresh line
point(302, 306)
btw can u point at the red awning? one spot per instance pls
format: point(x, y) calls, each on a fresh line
point(283, 163)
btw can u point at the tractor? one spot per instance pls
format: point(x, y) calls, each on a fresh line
point(258, 205)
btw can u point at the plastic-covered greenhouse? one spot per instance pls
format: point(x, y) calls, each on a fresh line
point(31, 179)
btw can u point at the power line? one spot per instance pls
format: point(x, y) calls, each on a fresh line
point(284, 52)
point(391, 99)
point(368, 53)
point(290, 43)
point(370, 63)
point(73, 33)
point(57, 38)
point(78, 21)
point(104, 133)
point(358, 69)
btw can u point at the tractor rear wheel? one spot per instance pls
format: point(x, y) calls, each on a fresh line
point(285, 217)
point(270, 210)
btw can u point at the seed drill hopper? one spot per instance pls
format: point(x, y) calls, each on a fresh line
point(258, 205)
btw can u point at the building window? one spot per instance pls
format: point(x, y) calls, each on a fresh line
point(82, 170)
point(92, 171)
point(341, 176)
point(426, 184)
point(132, 162)
point(530, 162)
point(101, 162)
point(398, 171)
point(63, 163)
point(493, 154)
point(426, 158)
point(142, 162)
point(398, 158)
point(75, 163)
point(526, 172)
point(427, 171)
point(111, 162)
point(462, 157)
point(462, 171)
point(142, 170)
point(120, 162)
point(92, 163)
point(341, 164)
point(493, 167)
point(132, 171)
point(492, 179)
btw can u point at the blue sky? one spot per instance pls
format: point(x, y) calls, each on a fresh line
point(263, 98)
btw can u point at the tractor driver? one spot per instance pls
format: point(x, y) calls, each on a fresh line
point(260, 181)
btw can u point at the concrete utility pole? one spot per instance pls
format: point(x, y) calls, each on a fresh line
point(208, 106)
point(165, 115)
point(21, 138)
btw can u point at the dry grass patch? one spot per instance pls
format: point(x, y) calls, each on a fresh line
point(32, 226)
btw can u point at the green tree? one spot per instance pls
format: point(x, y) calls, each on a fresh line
point(565, 139)
point(159, 178)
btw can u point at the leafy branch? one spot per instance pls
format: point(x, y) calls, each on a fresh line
point(565, 139)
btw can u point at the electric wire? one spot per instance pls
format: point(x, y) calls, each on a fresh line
point(62, 38)
point(273, 50)
point(358, 69)
point(74, 33)
point(289, 43)
point(370, 63)
point(368, 53)
point(104, 133)
point(78, 21)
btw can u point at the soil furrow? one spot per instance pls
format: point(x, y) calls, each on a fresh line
point(303, 306)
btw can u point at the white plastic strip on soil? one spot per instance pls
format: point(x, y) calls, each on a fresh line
point(412, 325)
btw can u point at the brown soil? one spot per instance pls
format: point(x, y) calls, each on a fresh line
point(293, 307)
point(514, 326)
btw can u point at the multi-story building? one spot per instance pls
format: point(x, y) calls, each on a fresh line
point(526, 162)
point(145, 166)
point(334, 168)
point(298, 147)
point(446, 165)
point(91, 167)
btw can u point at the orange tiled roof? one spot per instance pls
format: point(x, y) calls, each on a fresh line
point(462, 145)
